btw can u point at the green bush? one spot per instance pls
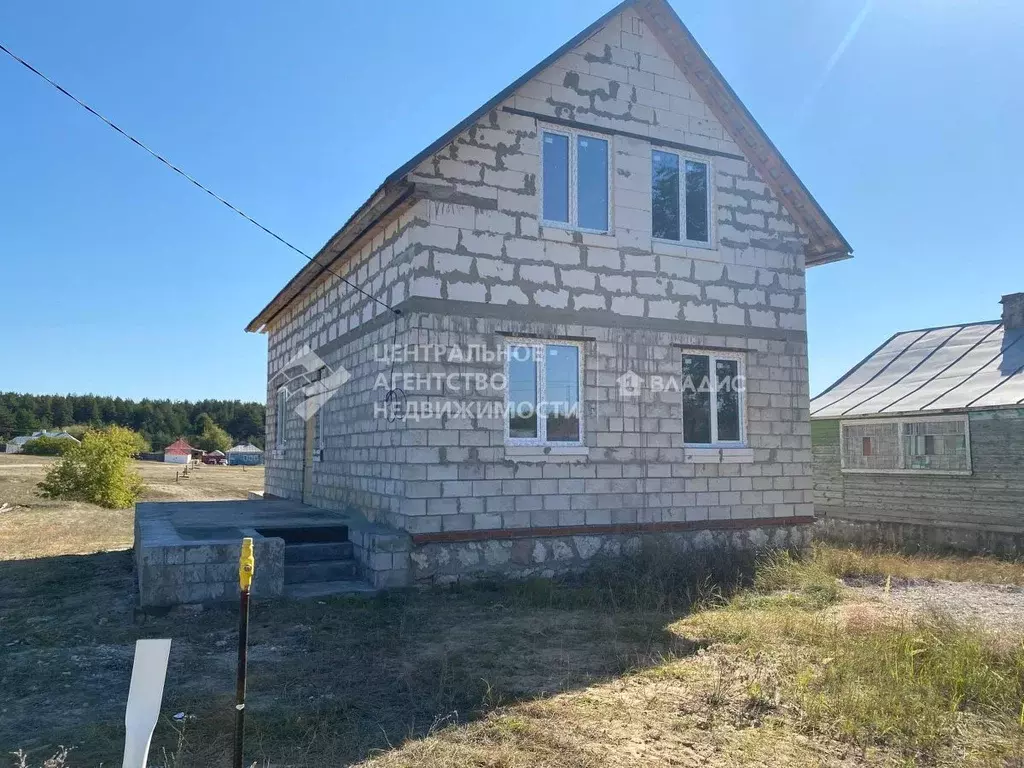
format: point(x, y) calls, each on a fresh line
point(98, 471)
point(47, 446)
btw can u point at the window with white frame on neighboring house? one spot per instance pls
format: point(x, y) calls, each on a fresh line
point(714, 399)
point(936, 444)
point(543, 393)
point(680, 198)
point(574, 180)
point(279, 417)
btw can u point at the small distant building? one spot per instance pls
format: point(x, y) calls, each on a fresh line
point(214, 457)
point(246, 453)
point(922, 444)
point(16, 444)
point(178, 452)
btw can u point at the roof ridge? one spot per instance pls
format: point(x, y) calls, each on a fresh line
point(825, 242)
point(950, 325)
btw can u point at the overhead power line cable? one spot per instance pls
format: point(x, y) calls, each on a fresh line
point(189, 178)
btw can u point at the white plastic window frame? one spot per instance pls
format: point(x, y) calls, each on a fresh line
point(901, 433)
point(541, 366)
point(573, 135)
point(280, 417)
point(710, 202)
point(741, 369)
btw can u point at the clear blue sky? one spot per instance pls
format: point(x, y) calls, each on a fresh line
point(119, 278)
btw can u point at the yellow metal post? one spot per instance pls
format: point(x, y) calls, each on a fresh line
point(246, 565)
point(246, 570)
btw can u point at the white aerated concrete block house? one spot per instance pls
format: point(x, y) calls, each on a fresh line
point(587, 324)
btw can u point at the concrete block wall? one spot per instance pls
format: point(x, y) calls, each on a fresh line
point(752, 273)
point(201, 572)
point(471, 261)
point(460, 476)
point(343, 327)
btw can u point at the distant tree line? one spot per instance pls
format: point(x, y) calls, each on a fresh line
point(160, 422)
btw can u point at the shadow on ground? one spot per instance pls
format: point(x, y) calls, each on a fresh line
point(331, 681)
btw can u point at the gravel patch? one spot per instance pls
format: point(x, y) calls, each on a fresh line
point(993, 606)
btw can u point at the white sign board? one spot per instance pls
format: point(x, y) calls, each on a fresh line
point(144, 698)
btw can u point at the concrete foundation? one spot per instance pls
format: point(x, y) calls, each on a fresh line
point(187, 552)
point(548, 556)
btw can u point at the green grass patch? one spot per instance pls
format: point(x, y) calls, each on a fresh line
point(921, 687)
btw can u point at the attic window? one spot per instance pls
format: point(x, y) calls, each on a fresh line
point(574, 187)
point(680, 198)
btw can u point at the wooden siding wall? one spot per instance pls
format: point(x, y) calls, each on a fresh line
point(991, 499)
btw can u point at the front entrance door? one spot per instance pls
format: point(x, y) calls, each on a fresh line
point(307, 460)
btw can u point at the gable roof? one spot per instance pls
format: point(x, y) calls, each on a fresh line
point(179, 446)
point(953, 368)
point(826, 243)
point(245, 448)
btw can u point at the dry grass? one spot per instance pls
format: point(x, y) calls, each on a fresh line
point(781, 667)
point(847, 562)
point(38, 527)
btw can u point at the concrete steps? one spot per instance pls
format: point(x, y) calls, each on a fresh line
point(328, 570)
point(314, 553)
point(315, 589)
point(321, 569)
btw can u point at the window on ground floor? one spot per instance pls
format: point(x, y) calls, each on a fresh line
point(938, 444)
point(543, 393)
point(714, 402)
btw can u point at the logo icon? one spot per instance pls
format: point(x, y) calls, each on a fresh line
point(630, 384)
point(308, 376)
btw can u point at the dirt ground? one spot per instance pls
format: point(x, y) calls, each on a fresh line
point(492, 676)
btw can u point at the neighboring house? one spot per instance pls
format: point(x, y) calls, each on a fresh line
point(616, 212)
point(922, 443)
point(245, 453)
point(215, 457)
point(178, 452)
point(16, 444)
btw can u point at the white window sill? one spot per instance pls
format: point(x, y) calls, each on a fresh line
point(552, 453)
point(948, 472)
point(678, 247)
point(561, 231)
point(709, 455)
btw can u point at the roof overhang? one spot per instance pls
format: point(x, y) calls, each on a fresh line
point(389, 199)
point(825, 243)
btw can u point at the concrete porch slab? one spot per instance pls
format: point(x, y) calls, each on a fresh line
point(187, 552)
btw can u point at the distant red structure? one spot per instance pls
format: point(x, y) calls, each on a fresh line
point(178, 452)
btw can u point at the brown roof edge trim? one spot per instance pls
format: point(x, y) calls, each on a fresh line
point(450, 135)
point(831, 257)
point(372, 215)
point(493, 534)
point(706, 79)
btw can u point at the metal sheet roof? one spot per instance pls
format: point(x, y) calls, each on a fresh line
point(955, 368)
